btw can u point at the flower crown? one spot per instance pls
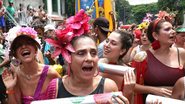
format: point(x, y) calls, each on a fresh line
point(163, 15)
point(17, 31)
point(74, 26)
point(27, 31)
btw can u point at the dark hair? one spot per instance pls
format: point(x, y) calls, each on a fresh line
point(81, 36)
point(154, 26)
point(126, 39)
point(101, 23)
point(22, 40)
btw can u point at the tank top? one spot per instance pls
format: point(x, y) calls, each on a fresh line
point(38, 95)
point(158, 74)
point(63, 93)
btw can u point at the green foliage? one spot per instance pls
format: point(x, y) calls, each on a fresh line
point(123, 10)
point(177, 6)
point(70, 7)
point(139, 11)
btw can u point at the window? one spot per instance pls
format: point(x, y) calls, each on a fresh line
point(45, 5)
point(55, 5)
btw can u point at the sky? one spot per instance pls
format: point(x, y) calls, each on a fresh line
point(137, 2)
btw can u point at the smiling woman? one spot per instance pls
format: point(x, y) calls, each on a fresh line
point(29, 82)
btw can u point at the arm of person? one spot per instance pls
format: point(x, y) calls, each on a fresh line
point(161, 91)
point(110, 86)
point(51, 60)
point(179, 89)
point(127, 58)
point(5, 61)
point(14, 97)
point(10, 81)
point(53, 73)
point(129, 84)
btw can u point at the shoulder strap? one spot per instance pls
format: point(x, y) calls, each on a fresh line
point(41, 82)
point(178, 56)
point(100, 87)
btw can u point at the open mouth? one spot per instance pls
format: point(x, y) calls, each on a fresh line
point(87, 68)
point(106, 51)
point(25, 53)
point(172, 37)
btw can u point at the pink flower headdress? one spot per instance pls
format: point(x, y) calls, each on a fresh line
point(74, 26)
point(17, 31)
point(29, 32)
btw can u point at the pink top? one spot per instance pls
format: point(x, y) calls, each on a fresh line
point(38, 95)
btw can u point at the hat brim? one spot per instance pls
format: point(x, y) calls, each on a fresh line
point(22, 39)
point(105, 29)
point(180, 29)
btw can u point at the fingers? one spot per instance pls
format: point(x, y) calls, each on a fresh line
point(166, 92)
point(155, 102)
point(6, 74)
point(129, 77)
point(120, 99)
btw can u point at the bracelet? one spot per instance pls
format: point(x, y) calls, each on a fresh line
point(10, 91)
point(101, 67)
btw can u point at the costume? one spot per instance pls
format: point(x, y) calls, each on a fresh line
point(154, 73)
point(164, 75)
point(38, 95)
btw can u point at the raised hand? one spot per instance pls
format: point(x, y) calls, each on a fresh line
point(9, 78)
point(129, 81)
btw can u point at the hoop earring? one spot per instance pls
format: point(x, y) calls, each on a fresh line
point(15, 62)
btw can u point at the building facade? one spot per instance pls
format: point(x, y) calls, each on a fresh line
point(55, 8)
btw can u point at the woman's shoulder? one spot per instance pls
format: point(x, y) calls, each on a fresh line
point(51, 72)
point(110, 85)
point(179, 88)
point(181, 54)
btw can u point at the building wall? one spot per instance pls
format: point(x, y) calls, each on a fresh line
point(34, 3)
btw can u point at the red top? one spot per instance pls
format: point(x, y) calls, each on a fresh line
point(158, 74)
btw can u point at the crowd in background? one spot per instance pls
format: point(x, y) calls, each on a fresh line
point(40, 60)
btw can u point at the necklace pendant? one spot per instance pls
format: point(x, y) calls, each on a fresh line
point(28, 77)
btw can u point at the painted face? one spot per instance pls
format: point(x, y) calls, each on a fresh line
point(26, 53)
point(166, 33)
point(84, 59)
point(112, 48)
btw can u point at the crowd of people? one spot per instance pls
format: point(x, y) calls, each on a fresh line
point(30, 51)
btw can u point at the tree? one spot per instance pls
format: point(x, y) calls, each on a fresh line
point(70, 7)
point(123, 10)
point(177, 6)
point(139, 11)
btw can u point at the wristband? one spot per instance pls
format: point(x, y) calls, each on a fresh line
point(101, 67)
point(10, 91)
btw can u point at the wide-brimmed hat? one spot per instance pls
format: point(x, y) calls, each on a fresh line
point(102, 23)
point(22, 36)
point(22, 40)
